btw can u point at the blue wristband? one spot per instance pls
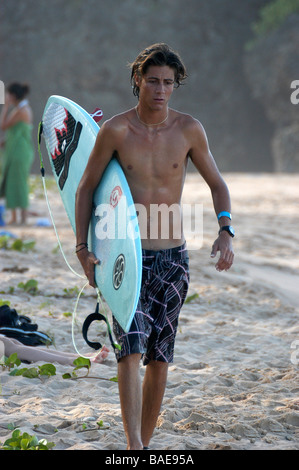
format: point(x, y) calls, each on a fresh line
point(224, 214)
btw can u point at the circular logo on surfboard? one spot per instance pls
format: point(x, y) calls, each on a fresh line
point(118, 271)
point(115, 196)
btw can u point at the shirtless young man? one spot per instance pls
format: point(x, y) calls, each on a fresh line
point(153, 143)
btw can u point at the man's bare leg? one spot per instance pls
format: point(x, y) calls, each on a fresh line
point(130, 392)
point(154, 384)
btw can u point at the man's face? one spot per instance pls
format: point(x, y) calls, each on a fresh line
point(156, 86)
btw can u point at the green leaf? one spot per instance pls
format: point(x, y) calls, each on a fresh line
point(28, 245)
point(12, 360)
point(11, 443)
point(47, 369)
point(67, 314)
point(11, 426)
point(13, 357)
point(67, 376)
point(114, 379)
point(16, 433)
point(25, 441)
point(4, 242)
point(34, 441)
point(16, 372)
point(31, 373)
point(17, 245)
point(30, 286)
point(24, 444)
point(191, 297)
point(81, 362)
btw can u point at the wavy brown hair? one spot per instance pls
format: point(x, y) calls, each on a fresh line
point(158, 54)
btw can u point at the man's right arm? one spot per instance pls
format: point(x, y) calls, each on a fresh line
point(98, 160)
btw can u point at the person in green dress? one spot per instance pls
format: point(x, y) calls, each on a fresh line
point(16, 121)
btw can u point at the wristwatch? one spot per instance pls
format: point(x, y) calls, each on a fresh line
point(229, 229)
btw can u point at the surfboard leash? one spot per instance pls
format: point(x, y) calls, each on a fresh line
point(96, 316)
point(42, 170)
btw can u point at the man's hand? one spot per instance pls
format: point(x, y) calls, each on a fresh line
point(223, 244)
point(88, 262)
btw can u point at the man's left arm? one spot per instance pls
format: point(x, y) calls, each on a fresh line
point(205, 164)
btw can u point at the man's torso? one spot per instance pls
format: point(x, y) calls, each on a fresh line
point(154, 161)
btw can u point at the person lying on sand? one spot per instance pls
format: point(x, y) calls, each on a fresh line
point(9, 346)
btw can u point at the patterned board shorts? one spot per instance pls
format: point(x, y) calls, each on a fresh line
point(165, 279)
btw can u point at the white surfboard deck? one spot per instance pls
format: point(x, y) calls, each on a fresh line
point(114, 237)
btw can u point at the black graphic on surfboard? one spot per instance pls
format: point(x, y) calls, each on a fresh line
point(118, 271)
point(67, 142)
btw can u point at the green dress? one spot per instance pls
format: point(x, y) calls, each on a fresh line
point(17, 160)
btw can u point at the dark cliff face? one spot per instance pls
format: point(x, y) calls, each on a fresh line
point(272, 69)
point(80, 49)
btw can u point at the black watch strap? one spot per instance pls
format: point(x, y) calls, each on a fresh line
point(229, 229)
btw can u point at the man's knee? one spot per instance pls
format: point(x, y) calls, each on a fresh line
point(158, 368)
point(130, 359)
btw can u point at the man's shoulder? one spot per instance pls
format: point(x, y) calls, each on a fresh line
point(187, 122)
point(119, 119)
point(185, 118)
point(116, 125)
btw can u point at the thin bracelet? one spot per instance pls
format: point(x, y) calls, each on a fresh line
point(83, 243)
point(80, 249)
point(224, 214)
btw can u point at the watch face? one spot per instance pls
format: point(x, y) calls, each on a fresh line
point(229, 229)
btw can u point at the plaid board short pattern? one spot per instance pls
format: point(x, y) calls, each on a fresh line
point(165, 280)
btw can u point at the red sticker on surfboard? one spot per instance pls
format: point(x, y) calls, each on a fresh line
point(97, 115)
point(115, 196)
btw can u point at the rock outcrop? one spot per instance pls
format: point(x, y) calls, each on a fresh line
point(272, 66)
point(81, 48)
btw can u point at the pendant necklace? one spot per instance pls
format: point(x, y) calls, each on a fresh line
point(150, 125)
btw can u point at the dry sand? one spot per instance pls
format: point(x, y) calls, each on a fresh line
point(234, 382)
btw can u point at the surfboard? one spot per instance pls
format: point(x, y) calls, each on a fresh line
point(114, 236)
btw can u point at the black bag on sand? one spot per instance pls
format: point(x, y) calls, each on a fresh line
point(21, 328)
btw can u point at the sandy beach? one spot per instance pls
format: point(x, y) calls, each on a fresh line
point(234, 381)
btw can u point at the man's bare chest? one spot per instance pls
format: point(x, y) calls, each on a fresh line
point(153, 153)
